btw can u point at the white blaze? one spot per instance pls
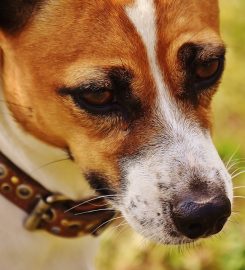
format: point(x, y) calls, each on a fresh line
point(143, 15)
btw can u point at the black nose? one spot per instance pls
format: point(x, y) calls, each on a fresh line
point(195, 219)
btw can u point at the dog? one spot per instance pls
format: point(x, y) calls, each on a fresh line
point(125, 88)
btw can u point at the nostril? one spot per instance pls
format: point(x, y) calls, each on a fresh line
point(195, 230)
point(220, 224)
point(195, 227)
point(191, 226)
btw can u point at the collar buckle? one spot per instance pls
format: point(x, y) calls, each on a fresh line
point(39, 212)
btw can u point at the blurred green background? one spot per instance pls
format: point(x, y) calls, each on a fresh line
point(122, 249)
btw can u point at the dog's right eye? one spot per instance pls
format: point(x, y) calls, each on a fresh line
point(109, 97)
point(94, 99)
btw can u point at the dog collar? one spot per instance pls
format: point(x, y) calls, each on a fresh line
point(49, 211)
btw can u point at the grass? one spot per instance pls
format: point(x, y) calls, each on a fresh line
point(123, 249)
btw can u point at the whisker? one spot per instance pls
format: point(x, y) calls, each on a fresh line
point(114, 228)
point(122, 227)
point(50, 163)
point(239, 187)
point(231, 157)
point(90, 200)
point(112, 219)
point(93, 211)
point(232, 222)
point(239, 197)
point(97, 205)
point(236, 214)
point(238, 169)
point(234, 176)
point(235, 163)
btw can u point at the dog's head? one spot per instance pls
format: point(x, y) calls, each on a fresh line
point(126, 86)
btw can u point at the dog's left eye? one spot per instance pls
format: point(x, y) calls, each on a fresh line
point(208, 69)
point(203, 65)
point(98, 98)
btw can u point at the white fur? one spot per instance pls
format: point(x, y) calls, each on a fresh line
point(142, 14)
point(24, 250)
point(187, 146)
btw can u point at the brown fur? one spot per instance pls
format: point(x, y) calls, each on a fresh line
point(70, 41)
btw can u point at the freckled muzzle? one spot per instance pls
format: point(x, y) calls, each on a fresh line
point(196, 219)
point(186, 186)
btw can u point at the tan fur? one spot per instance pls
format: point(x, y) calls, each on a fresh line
point(64, 44)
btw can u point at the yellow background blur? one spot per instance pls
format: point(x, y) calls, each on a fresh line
point(122, 249)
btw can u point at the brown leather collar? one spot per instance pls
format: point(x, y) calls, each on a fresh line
point(48, 211)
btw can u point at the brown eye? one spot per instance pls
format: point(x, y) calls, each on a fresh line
point(98, 98)
point(207, 70)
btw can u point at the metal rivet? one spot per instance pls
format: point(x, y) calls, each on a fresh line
point(5, 187)
point(64, 222)
point(15, 180)
point(24, 192)
point(72, 225)
point(50, 215)
point(56, 230)
point(3, 171)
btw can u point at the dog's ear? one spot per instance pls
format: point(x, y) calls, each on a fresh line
point(14, 14)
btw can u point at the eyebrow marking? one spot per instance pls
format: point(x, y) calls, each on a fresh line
point(203, 51)
point(106, 77)
point(116, 80)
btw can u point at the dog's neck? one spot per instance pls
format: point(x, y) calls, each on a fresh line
point(46, 164)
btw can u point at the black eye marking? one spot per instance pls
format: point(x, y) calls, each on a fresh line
point(109, 97)
point(202, 66)
point(99, 183)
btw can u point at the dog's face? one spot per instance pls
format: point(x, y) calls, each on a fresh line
point(126, 86)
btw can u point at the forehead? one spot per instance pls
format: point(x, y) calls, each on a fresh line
point(83, 26)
